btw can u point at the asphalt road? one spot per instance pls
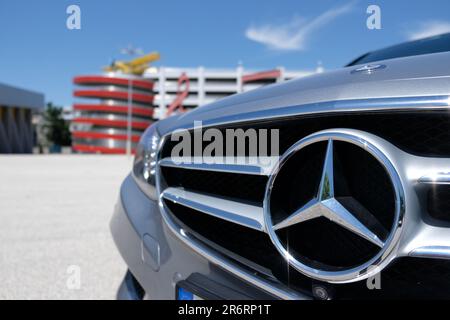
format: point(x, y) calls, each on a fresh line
point(54, 226)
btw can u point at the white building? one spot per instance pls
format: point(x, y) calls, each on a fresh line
point(208, 85)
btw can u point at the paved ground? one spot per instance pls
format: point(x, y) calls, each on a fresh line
point(54, 225)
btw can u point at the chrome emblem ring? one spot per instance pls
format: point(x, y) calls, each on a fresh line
point(326, 204)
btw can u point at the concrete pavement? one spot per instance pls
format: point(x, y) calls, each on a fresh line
point(54, 226)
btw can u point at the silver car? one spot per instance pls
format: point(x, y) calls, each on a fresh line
point(356, 203)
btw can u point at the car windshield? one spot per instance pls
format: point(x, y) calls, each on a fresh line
point(435, 44)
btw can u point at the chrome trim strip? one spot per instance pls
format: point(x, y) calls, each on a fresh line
point(245, 165)
point(436, 178)
point(336, 106)
point(433, 252)
point(243, 214)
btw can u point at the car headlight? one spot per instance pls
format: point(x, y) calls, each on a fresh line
point(144, 166)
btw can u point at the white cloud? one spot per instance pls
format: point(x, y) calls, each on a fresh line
point(293, 35)
point(429, 29)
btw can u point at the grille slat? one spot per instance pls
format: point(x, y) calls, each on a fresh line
point(244, 165)
point(241, 187)
point(247, 215)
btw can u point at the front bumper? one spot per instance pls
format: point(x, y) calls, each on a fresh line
point(158, 261)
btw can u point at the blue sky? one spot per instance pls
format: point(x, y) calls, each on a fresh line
point(38, 52)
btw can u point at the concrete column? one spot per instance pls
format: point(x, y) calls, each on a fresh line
point(282, 77)
point(5, 146)
point(12, 131)
point(25, 132)
point(162, 94)
point(201, 86)
point(239, 74)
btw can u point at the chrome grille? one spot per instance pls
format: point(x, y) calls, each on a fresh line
point(222, 206)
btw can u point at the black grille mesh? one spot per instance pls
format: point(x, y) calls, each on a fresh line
point(247, 188)
point(439, 202)
point(425, 133)
point(412, 278)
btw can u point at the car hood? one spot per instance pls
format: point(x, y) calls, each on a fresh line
point(417, 76)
